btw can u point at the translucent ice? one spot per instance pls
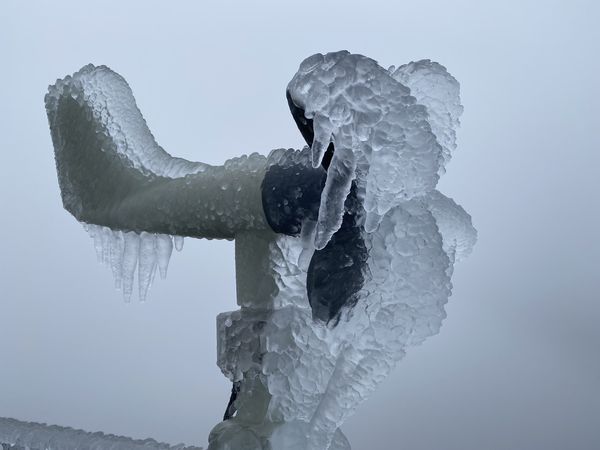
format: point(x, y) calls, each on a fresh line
point(124, 252)
point(391, 131)
point(433, 87)
point(300, 373)
point(36, 436)
point(344, 250)
point(307, 376)
point(134, 196)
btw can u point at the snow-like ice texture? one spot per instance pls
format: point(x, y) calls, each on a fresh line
point(300, 378)
point(383, 126)
point(455, 225)
point(16, 435)
point(298, 372)
point(433, 87)
point(133, 194)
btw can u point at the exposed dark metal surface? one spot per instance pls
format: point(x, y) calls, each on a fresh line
point(336, 273)
point(230, 410)
point(290, 194)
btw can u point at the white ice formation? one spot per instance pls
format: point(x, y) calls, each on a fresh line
point(433, 87)
point(382, 256)
point(134, 195)
point(393, 130)
point(300, 378)
point(16, 435)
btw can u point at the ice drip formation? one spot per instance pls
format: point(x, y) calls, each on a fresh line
point(344, 250)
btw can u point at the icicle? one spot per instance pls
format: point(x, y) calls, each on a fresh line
point(96, 234)
point(116, 257)
point(147, 263)
point(178, 241)
point(340, 174)
point(323, 128)
point(164, 248)
point(106, 236)
point(130, 260)
point(124, 252)
point(307, 238)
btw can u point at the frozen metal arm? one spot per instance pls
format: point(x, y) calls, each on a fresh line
point(113, 173)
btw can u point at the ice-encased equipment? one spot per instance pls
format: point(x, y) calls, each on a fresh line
point(344, 250)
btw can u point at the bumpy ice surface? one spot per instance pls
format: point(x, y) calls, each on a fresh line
point(393, 130)
point(18, 435)
point(333, 286)
point(298, 378)
point(137, 200)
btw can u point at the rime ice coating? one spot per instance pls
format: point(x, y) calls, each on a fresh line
point(454, 223)
point(134, 195)
point(297, 373)
point(433, 87)
point(304, 378)
point(393, 132)
point(36, 436)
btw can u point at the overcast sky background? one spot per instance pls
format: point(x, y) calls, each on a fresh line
point(517, 363)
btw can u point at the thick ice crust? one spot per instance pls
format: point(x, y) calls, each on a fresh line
point(311, 375)
point(113, 173)
point(392, 130)
point(16, 435)
point(300, 377)
point(134, 195)
point(323, 317)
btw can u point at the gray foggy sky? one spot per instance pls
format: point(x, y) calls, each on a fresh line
point(516, 365)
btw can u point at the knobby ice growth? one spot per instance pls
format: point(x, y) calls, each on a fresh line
point(344, 250)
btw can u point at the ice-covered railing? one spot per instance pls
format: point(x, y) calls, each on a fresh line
point(17, 435)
